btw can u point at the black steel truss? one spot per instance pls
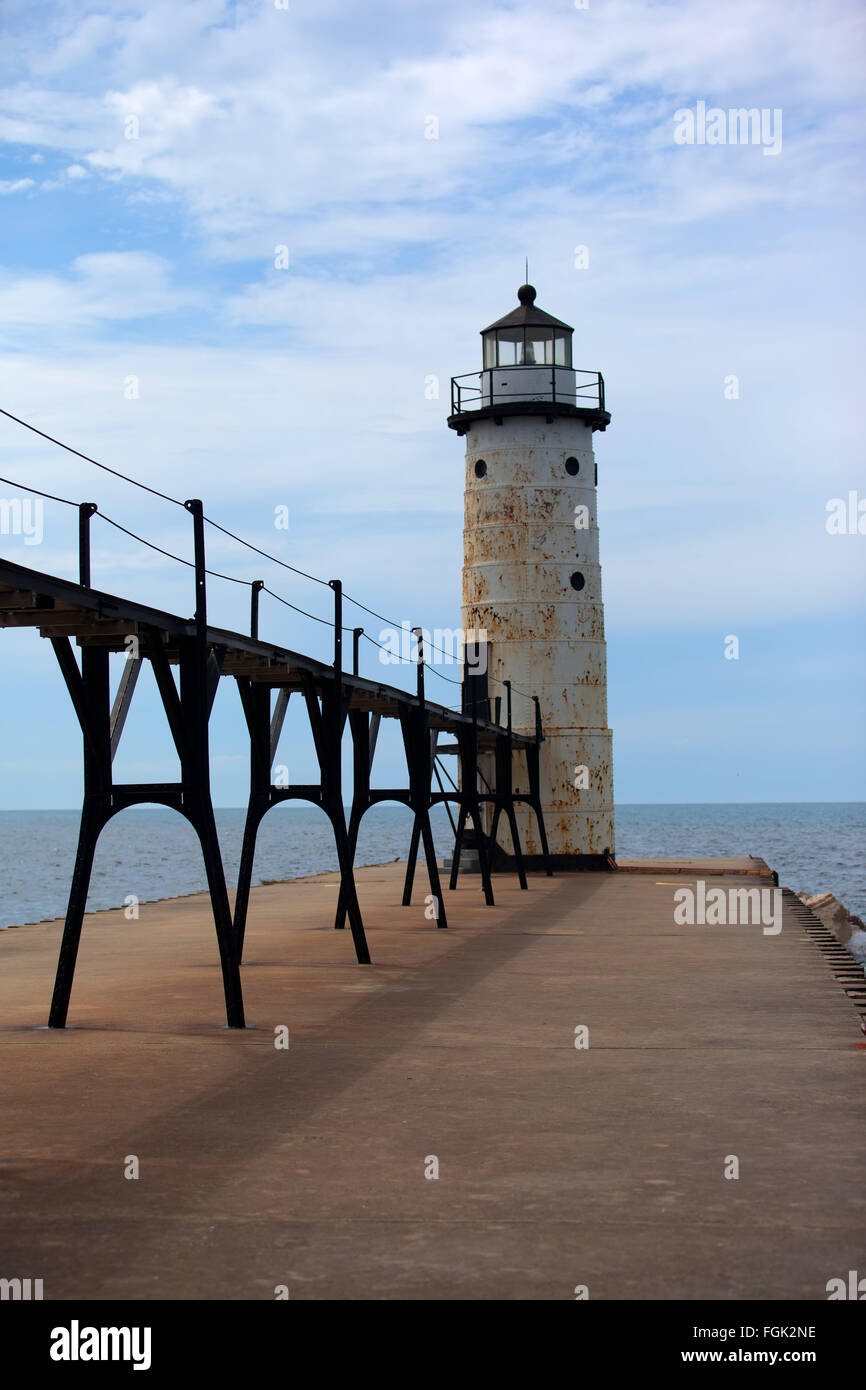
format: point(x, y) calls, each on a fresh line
point(102, 623)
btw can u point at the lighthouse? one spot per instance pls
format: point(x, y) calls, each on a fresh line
point(531, 572)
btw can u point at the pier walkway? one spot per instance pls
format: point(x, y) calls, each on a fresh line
point(558, 1166)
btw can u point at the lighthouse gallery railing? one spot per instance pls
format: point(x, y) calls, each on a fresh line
point(559, 385)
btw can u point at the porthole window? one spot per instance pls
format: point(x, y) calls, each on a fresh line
point(480, 468)
point(572, 465)
point(577, 580)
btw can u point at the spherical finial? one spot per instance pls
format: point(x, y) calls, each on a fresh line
point(526, 294)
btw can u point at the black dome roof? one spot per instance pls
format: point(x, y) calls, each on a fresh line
point(527, 313)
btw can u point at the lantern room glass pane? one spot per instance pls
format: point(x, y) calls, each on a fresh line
point(539, 347)
point(536, 345)
point(509, 342)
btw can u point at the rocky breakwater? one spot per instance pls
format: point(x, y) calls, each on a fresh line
point(848, 929)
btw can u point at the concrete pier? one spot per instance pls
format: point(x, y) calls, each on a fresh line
point(558, 1166)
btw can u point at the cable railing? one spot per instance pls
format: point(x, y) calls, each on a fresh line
point(423, 643)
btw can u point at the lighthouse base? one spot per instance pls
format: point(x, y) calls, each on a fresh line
point(559, 863)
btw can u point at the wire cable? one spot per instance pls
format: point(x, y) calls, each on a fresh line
point(432, 645)
point(87, 459)
point(166, 497)
point(25, 487)
point(266, 554)
point(327, 622)
point(155, 492)
point(169, 554)
point(407, 660)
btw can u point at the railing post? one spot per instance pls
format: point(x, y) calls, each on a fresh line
point(507, 685)
point(85, 511)
point(337, 586)
point(255, 589)
point(357, 634)
point(195, 507)
point(420, 680)
point(539, 734)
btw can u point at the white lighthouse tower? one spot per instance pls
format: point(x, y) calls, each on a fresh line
point(531, 574)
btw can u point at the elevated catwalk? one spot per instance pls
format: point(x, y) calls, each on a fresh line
point(266, 677)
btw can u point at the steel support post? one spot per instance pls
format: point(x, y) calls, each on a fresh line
point(327, 724)
point(89, 690)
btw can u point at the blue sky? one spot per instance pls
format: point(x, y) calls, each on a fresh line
point(306, 127)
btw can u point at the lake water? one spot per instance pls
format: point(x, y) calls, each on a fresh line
point(153, 853)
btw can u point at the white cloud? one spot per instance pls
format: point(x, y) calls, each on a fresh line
point(256, 127)
point(554, 130)
point(273, 118)
point(102, 287)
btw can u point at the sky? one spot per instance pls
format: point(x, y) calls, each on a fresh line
point(242, 243)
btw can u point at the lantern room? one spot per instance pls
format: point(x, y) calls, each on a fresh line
point(527, 364)
point(527, 337)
